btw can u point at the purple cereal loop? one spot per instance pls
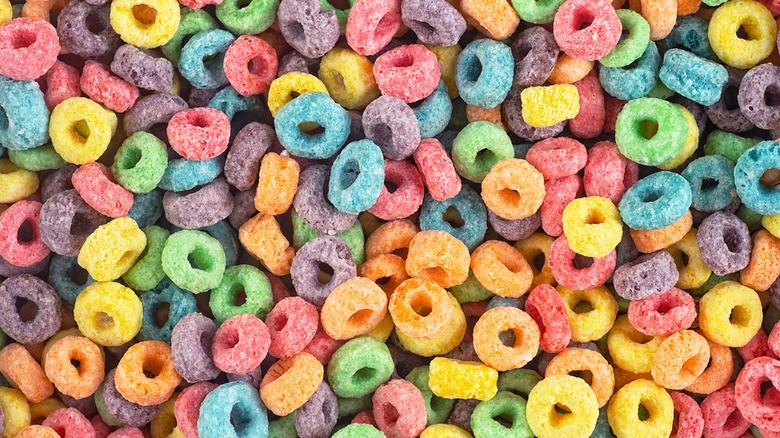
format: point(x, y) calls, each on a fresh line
point(90, 42)
point(191, 348)
point(243, 158)
point(724, 243)
point(9, 270)
point(123, 410)
point(646, 276)
point(435, 22)
point(307, 28)
point(535, 52)
point(317, 417)
point(66, 221)
point(142, 69)
point(243, 207)
point(199, 207)
point(85, 405)
point(726, 113)
point(152, 110)
point(312, 205)
point(48, 314)
point(58, 181)
point(515, 229)
point(294, 61)
point(760, 87)
point(327, 250)
point(391, 124)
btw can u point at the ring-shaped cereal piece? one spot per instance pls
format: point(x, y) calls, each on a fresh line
point(37, 431)
point(663, 314)
point(20, 324)
point(755, 20)
point(764, 267)
point(690, 420)
point(30, 48)
point(592, 226)
point(594, 323)
point(624, 408)
point(145, 23)
point(290, 382)
point(284, 89)
point(718, 372)
point(567, 273)
point(647, 241)
point(81, 129)
point(452, 378)
point(388, 271)
point(420, 308)
point(20, 234)
point(112, 249)
point(722, 416)
point(680, 360)
point(152, 357)
point(693, 273)
point(395, 69)
point(762, 198)
point(536, 250)
point(16, 411)
point(353, 308)
point(557, 157)
point(108, 313)
point(16, 183)
point(586, 30)
point(77, 382)
point(371, 25)
point(513, 189)
point(631, 350)
point(97, 187)
point(445, 342)
point(602, 377)
point(250, 65)
point(501, 269)
point(748, 393)
point(391, 237)
point(631, 131)
point(608, 173)
point(572, 394)
point(656, 201)
point(491, 349)
point(349, 78)
point(22, 371)
point(546, 307)
point(199, 133)
point(69, 423)
point(660, 15)
point(730, 314)
point(438, 256)
point(317, 108)
point(240, 344)
point(233, 409)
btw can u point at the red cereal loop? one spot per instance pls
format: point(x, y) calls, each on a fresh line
point(364, 417)
point(600, 34)
point(663, 314)
point(98, 187)
point(187, 407)
point(590, 120)
point(748, 393)
point(371, 25)
point(292, 324)
point(69, 423)
point(240, 344)
point(407, 196)
point(612, 108)
point(278, 289)
point(546, 307)
point(399, 409)
point(20, 236)
point(102, 430)
point(100, 85)
point(127, 432)
point(250, 65)
point(396, 69)
point(757, 347)
point(690, 421)
point(558, 194)
point(722, 419)
point(199, 4)
point(323, 346)
point(566, 273)
point(437, 170)
point(608, 173)
point(28, 48)
point(199, 133)
point(62, 82)
point(557, 157)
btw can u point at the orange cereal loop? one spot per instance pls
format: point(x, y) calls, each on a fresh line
point(680, 359)
point(262, 237)
point(594, 368)
point(277, 184)
point(289, 383)
point(391, 237)
point(75, 381)
point(152, 357)
point(386, 270)
point(37, 431)
point(491, 349)
point(438, 256)
point(764, 266)
point(501, 269)
point(536, 250)
point(623, 377)
point(494, 18)
point(718, 372)
point(618, 4)
point(353, 308)
point(56, 337)
point(420, 308)
point(687, 7)
point(647, 241)
point(24, 373)
point(569, 70)
point(660, 14)
point(513, 189)
point(479, 114)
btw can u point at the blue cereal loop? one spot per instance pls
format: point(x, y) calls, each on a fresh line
point(755, 195)
point(714, 168)
point(147, 208)
point(636, 79)
point(434, 112)
point(357, 177)
point(180, 302)
point(655, 201)
point(316, 108)
point(206, 75)
point(233, 403)
point(484, 73)
point(24, 117)
point(61, 272)
point(183, 174)
point(694, 77)
point(470, 207)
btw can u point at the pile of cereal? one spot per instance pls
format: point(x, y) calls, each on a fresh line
point(389, 218)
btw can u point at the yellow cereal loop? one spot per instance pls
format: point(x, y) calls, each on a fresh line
point(163, 425)
point(592, 226)
point(772, 224)
point(16, 183)
point(691, 141)
point(81, 129)
point(283, 87)
point(730, 314)
point(444, 431)
point(623, 411)
point(536, 251)
point(546, 106)
point(108, 313)
point(693, 272)
point(630, 349)
point(447, 57)
point(591, 312)
point(6, 11)
point(562, 392)
point(752, 17)
point(16, 411)
point(445, 342)
point(451, 378)
point(349, 78)
point(145, 23)
point(42, 409)
point(383, 330)
point(112, 249)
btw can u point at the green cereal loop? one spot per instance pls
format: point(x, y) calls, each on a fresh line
point(351, 406)
point(504, 404)
point(207, 267)
point(470, 291)
point(631, 48)
point(283, 427)
point(192, 22)
point(713, 281)
point(660, 91)
point(478, 147)
point(140, 162)
point(537, 11)
point(251, 19)
point(353, 237)
point(359, 367)
point(714, 3)
point(518, 381)
point(341, 14)
point(359, 431)
point(437, 408)
point(252, 282)
point(147, 271)
point(750, 218)
point(633, 123)
point(728, 145)
point(37, 159)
